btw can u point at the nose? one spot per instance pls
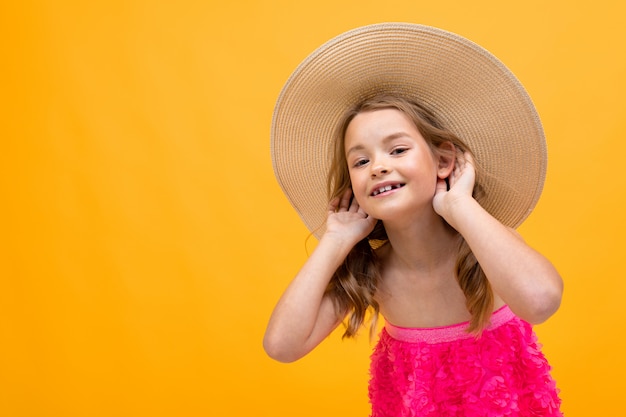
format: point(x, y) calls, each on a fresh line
point(379, 170)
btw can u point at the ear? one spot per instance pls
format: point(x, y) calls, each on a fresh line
point(446, 158)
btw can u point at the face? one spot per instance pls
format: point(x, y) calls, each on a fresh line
point(392, 169)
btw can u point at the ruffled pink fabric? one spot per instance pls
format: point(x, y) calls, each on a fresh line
point(445, 371)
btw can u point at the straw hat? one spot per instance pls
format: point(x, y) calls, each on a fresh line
point(468, 89)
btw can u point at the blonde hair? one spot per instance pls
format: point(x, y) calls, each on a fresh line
point(354, 284)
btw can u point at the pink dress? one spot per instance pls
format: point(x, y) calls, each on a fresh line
point(445, 371)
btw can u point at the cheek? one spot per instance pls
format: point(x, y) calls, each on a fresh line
point(354, 178)
point(359, 186)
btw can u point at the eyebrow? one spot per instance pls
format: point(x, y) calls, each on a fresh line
point(385, 140)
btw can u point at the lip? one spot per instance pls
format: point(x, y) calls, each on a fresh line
point(395, 185)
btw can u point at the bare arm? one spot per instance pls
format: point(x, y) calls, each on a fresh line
point(525, 280)
point(304, 315)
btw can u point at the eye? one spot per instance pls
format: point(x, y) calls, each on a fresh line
point(399, 151)
point(360, 163)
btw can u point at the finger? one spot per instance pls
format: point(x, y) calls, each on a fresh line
point(451, 179)
point(333, 205)
point(460, 160)
point(454, 176)
point(345, 199)
point(354, 206)
point(469, 166)
point(363, 213)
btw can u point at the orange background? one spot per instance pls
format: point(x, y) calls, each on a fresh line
point(145, 240)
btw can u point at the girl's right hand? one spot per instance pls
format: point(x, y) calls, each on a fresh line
point(347, 220)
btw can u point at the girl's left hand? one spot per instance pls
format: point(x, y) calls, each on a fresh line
point(459, 187)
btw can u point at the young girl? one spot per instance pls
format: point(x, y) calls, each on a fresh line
point(416, 229)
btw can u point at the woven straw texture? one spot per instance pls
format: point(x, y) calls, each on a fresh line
point(468, 89)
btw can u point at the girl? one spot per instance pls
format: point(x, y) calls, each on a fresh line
point(408, 236)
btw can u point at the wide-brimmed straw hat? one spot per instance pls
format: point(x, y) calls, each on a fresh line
point(468, 89)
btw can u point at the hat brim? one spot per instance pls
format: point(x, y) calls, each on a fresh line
point(468, 89)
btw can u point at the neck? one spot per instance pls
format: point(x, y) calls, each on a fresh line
point(425, 244)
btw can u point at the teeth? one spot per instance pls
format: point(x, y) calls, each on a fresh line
point(385, 188)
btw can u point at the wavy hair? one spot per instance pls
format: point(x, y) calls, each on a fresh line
point(353, 286)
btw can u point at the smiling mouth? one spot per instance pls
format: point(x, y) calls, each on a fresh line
point(386, 188)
